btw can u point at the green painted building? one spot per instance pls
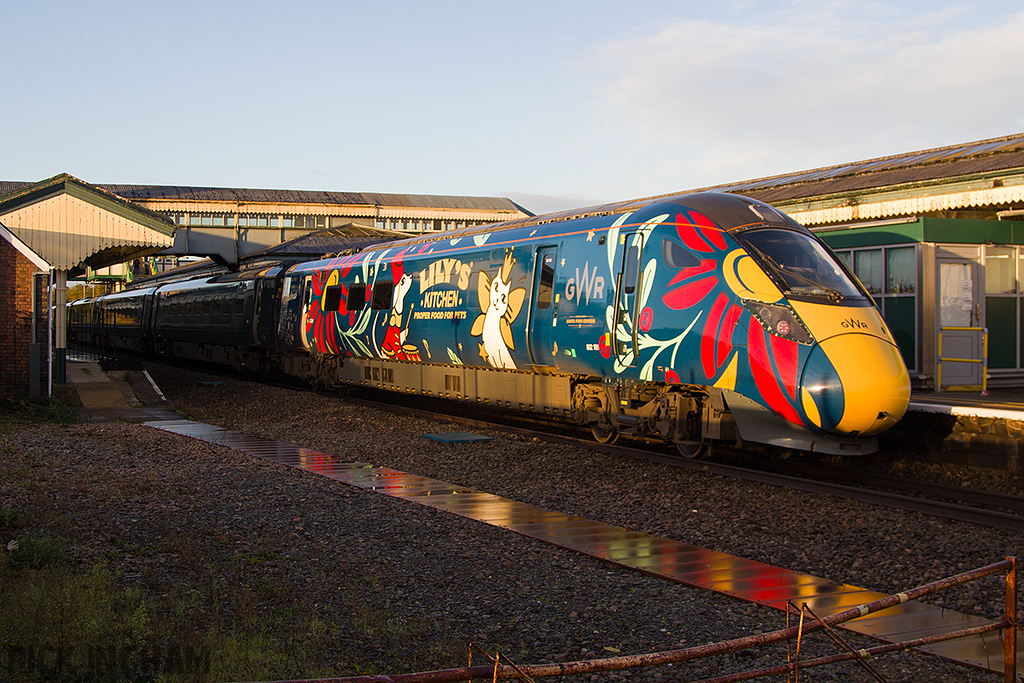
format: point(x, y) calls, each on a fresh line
point(937, 237)
point(928, 274)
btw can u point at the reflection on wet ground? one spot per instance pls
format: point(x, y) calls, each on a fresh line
point(674, 560)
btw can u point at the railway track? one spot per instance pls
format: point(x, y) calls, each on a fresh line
point(958, 503)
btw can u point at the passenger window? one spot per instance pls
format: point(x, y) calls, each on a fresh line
point(381, 299)
point(332, 298)
point(632, 263)
point(547, 281)
point(677, 256)
point(357, 298)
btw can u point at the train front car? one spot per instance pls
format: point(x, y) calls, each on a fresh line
point(801, 357)
point(694, 319)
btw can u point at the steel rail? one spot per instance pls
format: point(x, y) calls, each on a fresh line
point(933, 508)
point(949, 491)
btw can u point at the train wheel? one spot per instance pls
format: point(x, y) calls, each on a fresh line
point(696, 450)
point(604, 433)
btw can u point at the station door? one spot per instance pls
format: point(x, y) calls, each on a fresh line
point(960, 306)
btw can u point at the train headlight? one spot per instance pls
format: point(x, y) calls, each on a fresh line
point(780, 320)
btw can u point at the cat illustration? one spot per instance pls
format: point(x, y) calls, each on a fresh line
point(500, 305)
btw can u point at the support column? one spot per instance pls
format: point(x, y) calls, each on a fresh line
point(60, 325)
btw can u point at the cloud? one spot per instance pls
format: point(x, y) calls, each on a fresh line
point(811, 87)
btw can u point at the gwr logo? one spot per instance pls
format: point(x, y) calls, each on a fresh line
point(590, 285)
point(850, 324)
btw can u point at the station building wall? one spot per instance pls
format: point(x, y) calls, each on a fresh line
point(17, 279)
point(928, 272)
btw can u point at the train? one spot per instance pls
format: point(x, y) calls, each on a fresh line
point(694, 319)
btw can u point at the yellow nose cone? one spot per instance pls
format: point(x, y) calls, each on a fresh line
point(876, 385)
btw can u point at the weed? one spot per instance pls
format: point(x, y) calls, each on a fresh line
point(35, 551)
point(60, 408)
point(87, 626)
point(11, 520)
point(70, 622)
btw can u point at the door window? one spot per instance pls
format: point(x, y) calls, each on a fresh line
point(956, 294)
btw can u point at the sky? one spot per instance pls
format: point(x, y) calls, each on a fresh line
point(555, 104)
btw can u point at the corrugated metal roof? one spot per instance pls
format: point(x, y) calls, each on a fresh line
point(15, 195)
point(8, 186)
point(313, 245)
point(329, 241)
point(263, 196)
point(984, 156)
point(68, 222)
point(930, 165)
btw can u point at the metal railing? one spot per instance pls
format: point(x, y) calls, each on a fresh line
point(500, 668)
point(983, 360)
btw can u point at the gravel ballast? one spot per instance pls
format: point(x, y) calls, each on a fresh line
point(406, 586)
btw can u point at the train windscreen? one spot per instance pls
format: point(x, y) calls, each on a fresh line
point(801, 265)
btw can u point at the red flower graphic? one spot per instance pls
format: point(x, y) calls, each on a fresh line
point(646, 319)
point(698, 283)
point(773, 363)
point(317, 320)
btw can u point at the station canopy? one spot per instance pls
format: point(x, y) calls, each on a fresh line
point(73, 225)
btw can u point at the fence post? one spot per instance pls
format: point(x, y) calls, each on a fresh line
point(1010, 634)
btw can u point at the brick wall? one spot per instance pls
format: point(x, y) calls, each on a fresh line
point(16, 282)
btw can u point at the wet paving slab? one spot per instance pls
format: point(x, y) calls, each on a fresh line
point(677, 561)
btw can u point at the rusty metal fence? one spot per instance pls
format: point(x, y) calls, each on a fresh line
point(500, 668)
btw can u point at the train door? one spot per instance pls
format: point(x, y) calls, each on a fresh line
point(289, 322)
point(627, 294)
point(960, 321)
point(265, 301)
point(307, 300)
point(544, 308)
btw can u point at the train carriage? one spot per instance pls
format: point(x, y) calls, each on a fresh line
point(227, 319)
point(122, 320)
point(692, 318)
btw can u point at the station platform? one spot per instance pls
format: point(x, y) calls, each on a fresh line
point(118, 395)
point(1005, 403)
point(965, 428)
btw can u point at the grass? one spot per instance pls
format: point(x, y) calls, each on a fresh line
point(61, 408)
point(183, 609)
point(78, 625)
point(72, 623)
